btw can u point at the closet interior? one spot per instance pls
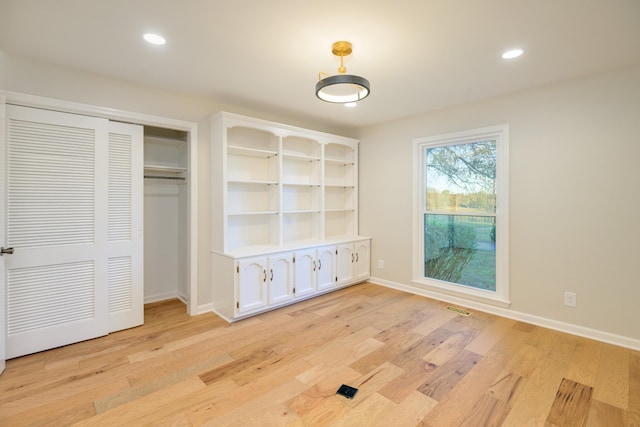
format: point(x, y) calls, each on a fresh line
point(165, 214)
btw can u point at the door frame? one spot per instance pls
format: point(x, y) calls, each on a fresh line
point(25, 100)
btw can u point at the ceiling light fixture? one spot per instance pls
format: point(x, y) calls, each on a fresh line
point(513, 53)
point(154, 39)
point(342, 88)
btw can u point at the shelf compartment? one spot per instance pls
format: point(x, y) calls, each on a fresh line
point(165, 151)
point(252, 168)
point(339, 175)
point(248, 198)
point(300, 171)
point(300, 198)
point(338, 153)
point(301, 147)
point(252, 230)
point(252, 139)
point(301, 225)
point(339, 198)
point(339, 223)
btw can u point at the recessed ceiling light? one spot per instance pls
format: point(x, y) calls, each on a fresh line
point(513, 53)
point(154, 38)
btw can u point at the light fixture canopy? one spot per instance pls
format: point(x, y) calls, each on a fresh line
point(342, 88)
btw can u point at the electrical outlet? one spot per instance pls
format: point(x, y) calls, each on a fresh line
point(570, 299)
point(381, 264)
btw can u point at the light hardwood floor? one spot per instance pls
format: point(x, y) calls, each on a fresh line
point(413, 361)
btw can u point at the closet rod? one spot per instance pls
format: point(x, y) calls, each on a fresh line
point(178, 178)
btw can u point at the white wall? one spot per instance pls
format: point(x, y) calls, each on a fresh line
point(574, 196)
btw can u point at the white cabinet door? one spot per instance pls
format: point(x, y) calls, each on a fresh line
point(280, 278)
point(125, 219)
point(326, 267)
point(363, 260)
point(305, 272)
point(56, 223)
point(251, 281)
point(345, 263)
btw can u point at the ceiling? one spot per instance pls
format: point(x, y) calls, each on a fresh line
point(265, 55)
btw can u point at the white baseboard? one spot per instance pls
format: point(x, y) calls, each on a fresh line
point(569, 328)
point(162, 297)
point(205, 308)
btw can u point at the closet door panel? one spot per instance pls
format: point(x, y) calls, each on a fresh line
point(56, 203)
point(124, 227)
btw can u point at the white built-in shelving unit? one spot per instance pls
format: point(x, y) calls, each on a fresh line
point(285, 199)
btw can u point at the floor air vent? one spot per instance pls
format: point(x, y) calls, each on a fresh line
point(459, 311)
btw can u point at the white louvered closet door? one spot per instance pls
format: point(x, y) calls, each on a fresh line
point(125, 222)
point(56, 279)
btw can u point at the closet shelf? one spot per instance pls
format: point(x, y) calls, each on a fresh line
point(172, 178)
point(164, 169)
point(164, 140)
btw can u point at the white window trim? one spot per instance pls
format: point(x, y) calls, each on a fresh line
point(500, 134)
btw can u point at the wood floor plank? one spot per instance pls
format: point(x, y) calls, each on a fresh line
point(406, 384)
point(505, 387)
point(451, 346)
point(583, 366)
point(612, 379)
point(453, 407)
point(170, 375)
point(537, 394)
point(444, 378)
point(634, 388)
point(128, 412)
point(367, 413)
point(414, 363)
point(371, 382)
point(316, 395)
point(571, 406)
point(489, 336)
point(252, 409)
point(602, 414)
point(409, 412)
point(487, 412)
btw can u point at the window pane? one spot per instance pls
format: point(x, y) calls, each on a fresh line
point(461, 178)
point(461, 249)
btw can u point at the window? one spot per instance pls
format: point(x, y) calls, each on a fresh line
point(461, 214)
